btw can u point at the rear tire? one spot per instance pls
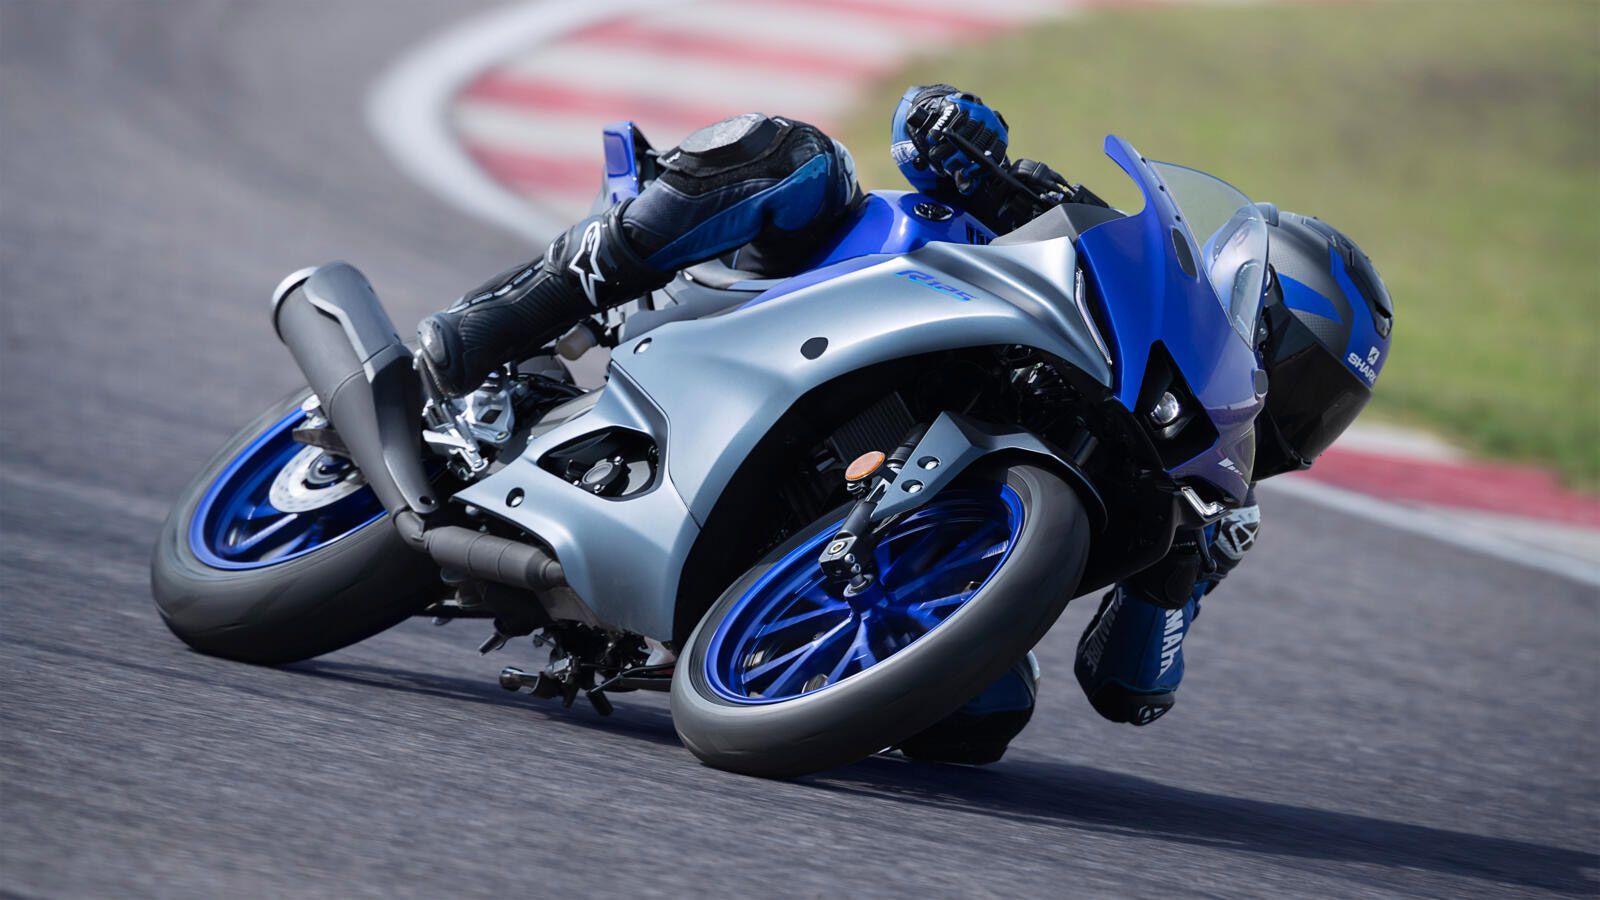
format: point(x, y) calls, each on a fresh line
point(334, 596)
point(916, 686)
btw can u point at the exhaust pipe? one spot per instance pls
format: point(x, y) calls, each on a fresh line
point(343, 341)
point(484, 556)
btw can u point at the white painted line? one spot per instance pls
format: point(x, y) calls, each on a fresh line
point(1446, 529)
point(408, 108)
point(1005, 10)
point(1397, 440)
point(800, 29)
point(1558, 537)
point(576, 136)
point(503, 126)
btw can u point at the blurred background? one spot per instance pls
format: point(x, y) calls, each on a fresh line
point(1395, 696)
point(1455, 141)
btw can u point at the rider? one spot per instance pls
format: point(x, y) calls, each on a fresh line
point(774, 189)
point(771, 187)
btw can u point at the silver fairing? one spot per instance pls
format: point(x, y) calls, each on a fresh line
point(708, 390)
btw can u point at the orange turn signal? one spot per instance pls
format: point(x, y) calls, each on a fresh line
point(864, 465)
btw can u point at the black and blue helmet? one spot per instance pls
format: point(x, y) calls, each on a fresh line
point(1328, 321)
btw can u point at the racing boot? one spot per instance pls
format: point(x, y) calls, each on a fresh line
point(588, 269)
point(978, 733)
point(1130, 659)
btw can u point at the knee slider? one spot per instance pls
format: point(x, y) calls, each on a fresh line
point(1116, 703)
point(1236, 533)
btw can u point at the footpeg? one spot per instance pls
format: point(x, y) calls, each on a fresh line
point(514, 679)
point(540, 684)
point(550, 686)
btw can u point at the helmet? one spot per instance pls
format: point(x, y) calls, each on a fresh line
point(907, 134)
point(1327, 322)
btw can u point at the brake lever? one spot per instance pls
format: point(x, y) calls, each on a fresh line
point(1042, 202)
point(454, 432)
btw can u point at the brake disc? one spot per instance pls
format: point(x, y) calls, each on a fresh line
point(314, 479)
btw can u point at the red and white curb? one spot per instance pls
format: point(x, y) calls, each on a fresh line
point(501, 115)
point(1414, 483)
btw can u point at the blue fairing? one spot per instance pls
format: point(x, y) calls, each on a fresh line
point(886, 224)
point(1147, 297)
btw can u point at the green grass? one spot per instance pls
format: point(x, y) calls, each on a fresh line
point(1457, 142)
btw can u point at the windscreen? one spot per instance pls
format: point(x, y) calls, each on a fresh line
point(1232, 235)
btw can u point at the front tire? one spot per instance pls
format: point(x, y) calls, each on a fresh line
point(230, 591)
point(720, 696)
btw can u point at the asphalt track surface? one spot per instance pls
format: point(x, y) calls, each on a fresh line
point(1367, 712)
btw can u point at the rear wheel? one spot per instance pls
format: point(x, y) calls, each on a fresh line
point(279, 552)
point(782, 678)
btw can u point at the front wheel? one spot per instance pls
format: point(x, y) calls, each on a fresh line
point(781, 678)
point(278, 552)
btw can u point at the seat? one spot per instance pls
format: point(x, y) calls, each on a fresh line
point(718, 275)
point(700, 291)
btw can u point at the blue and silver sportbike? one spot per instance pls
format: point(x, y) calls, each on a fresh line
point(824, 511)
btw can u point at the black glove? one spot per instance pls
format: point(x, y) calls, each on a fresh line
point(1027, 189)
point(950, 128)
point(1051, 186)
point(1044, 182)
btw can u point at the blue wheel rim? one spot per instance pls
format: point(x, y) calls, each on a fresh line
point(786, 636)
point(236, 525)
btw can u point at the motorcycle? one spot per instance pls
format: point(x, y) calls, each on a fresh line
point(823, 511)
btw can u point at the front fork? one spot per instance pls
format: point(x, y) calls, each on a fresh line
point(848, 559)
point(936, 455)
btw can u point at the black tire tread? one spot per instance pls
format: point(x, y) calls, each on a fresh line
point(917, 686)
point(352, 589)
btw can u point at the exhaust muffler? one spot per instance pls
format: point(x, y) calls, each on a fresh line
point(331, 321)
